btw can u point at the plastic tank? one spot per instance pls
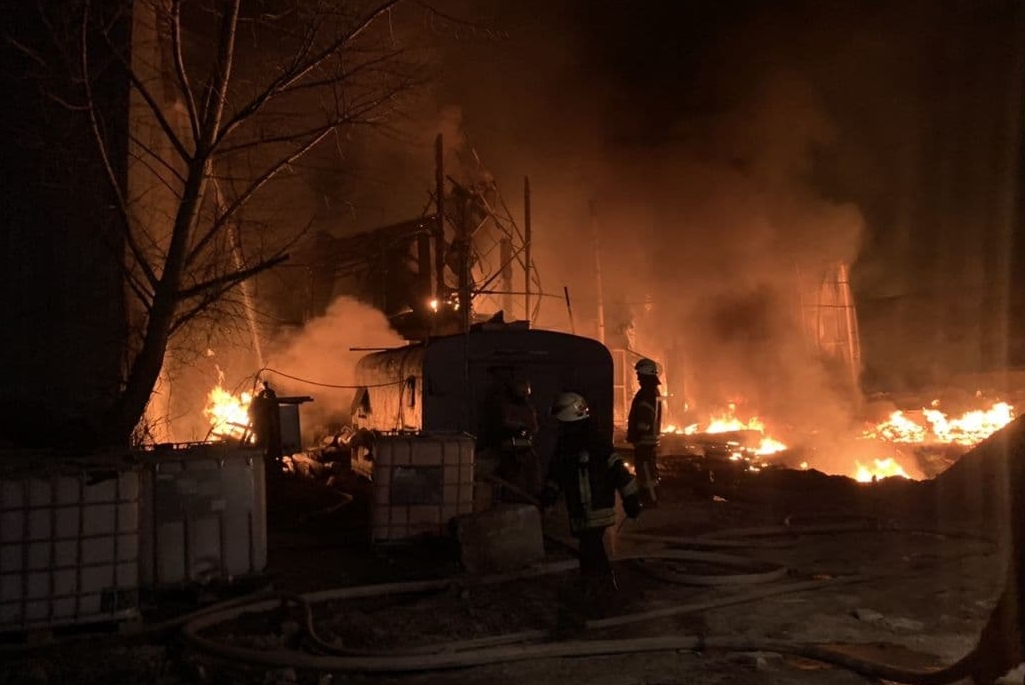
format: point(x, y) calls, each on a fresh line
point(69, 540)
point(420, 483)
point(204, 514)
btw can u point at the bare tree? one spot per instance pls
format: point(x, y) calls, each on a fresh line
point(224, 97)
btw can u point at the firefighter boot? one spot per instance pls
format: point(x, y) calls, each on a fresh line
point(571, 618)
point(602, 596)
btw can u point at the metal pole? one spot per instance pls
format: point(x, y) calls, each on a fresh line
point(569, 309)
point(526, 250)
point(505, 251)
point(439, 218)
point(597, 272)
point(465, 294)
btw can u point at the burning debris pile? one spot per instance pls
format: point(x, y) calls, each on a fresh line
point(227, 413)
point(907, 444)
point(930, 438)
point(725, 437)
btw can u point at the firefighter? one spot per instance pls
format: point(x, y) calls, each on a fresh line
point(265, 420)
point(588, 472)
point(644, 426)
point(516, 428)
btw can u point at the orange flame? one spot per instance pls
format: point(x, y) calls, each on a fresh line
point(969, 429)
point(882, 468)
point(727, 422)
point(934, 428)
point(228, 414)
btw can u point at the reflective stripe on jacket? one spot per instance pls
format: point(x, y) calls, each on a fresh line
point(644, 423)
point(590, 484)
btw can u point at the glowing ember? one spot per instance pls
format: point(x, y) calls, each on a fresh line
point(898, 428)
point(228, 414)
point(769, 446)
point(883, 468)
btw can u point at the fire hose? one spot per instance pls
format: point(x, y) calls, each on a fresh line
point(512, 647)
point(507, 648)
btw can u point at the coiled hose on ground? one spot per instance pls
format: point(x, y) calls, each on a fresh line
point(525, 645)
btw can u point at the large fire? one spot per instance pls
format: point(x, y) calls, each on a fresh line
point(929, 427)
point(969, 429)
point(935, 427)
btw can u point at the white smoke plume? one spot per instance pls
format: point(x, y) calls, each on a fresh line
point(319, 360)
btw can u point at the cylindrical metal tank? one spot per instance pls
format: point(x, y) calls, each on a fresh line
point(204, 514)
point(69, 540)
point(444, 384)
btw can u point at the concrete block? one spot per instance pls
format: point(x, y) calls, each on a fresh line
point(505, 538)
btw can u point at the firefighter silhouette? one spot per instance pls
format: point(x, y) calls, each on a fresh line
point(265, 420)
point(512, 428)
point(644, 426)
point(588, 472)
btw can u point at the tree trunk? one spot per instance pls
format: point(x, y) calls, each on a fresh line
point(120, 421)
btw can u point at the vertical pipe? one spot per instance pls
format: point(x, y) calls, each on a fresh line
point(528, 314)
point(597, 272)
point(569, 310)
point(424, 267)
point(505, 257)
point(439, 218)
point(464, 239)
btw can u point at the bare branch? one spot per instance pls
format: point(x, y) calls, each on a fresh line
point(212, 290)
point(104, 155)
point(67, 105)
point(154, 107)
point(28, 52)
point(460, 23)
point(258, 183)
point(217, 92)
point(300, 69)
point(164, 164)
point(179, 68)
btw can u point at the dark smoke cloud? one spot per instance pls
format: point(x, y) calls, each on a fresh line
point(727, 148)
point(731, 146)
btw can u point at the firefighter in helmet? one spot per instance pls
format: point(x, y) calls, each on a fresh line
point(644, 425)
point(584, 467)
point(265, 423)
point(516, 428)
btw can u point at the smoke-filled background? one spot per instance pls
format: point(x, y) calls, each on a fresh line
point(706, 155)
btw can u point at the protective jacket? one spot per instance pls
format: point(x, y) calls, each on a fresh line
point(518, 424)
point(589, 473)
point(644, 424)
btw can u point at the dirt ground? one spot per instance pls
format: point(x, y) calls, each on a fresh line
point(864, 566)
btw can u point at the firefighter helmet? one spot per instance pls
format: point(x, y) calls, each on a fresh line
point(646, 367)
point(569, 407)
